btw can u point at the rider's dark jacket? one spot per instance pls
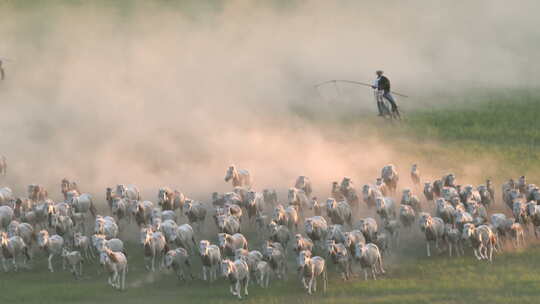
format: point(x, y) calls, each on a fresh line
point(383, 84)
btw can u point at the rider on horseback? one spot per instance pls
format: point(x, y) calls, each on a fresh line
point(382, 85)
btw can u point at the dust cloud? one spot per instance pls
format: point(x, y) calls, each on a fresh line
point(172, 92)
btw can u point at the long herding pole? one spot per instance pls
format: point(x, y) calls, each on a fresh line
point(353, 82)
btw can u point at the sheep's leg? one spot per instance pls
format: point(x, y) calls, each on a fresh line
point(246, 286)
point(14, 262)
point(239, 289)
point(428, 249)
point(113, 279)
point(475, 250)
point(450, 249)
point(373, 273)
point(25, 259)
point(153, 262)
point(50, 263)
point(381, 266)
point(365, 274)
point(486, 251)
point(482, 252)
point(116, 280)
point(124, 278)
point(231, 289)
point(314, 283)
point(325, 280)
point(304, 282)
point(178, 273)
point(4, 265)
point(310, 284)
point(204, 273)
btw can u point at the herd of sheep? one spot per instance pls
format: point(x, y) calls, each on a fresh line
point(299, 230)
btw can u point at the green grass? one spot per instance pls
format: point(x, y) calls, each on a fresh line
point(512, 278)
point(497, 130)
point(502, 127)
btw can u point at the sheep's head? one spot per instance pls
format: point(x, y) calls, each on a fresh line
point(407, 193)
point(380, 204)
point(231, 171)
point(331, 203)
point(144, 233)
point(308, 225)
point(203, 247)
point(223, 239)
point(169, 258)
point(104, 258)
point(162, 195)
point(346, 183)
point(468, 231)
point(273, 227)
point(425, 221)
point(227, 267)
point(331, 247)
point(188, 206)
point(121, 190)
point(304, 258)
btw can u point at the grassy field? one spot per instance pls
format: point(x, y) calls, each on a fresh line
point(497, 130)
point(503, 128)
point(513, 278)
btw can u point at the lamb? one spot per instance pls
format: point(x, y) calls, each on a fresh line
point(311, 268)
point(74, 260)
point(369, 257)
